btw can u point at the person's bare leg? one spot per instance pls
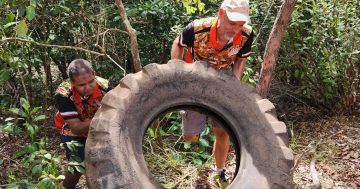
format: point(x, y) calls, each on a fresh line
point(221, 147)
point(71, 180)
point(191, 138)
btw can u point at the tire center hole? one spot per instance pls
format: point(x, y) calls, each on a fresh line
point(178, 147)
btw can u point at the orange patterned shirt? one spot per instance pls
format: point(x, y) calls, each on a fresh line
point(200, 38)
point(71, 105)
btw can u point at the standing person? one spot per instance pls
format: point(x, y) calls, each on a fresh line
point(224, 42)
point(77, 100)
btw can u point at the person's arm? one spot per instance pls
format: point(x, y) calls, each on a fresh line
point(239, 67)
point(185, 39)
point(78, 127)
point(70, 115)
point(241, 58)
point(177, 51)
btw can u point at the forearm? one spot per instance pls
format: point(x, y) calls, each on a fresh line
point(239, 67)
point(177, 51)
point(79, 127)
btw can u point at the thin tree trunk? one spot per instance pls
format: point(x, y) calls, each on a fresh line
point(273, 45)
point(48, 78)
point(30, 87)
point(62, 67)
point(133, 38)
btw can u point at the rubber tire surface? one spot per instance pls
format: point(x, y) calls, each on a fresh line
point(113, 153)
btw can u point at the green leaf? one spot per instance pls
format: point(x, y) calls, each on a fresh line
point(10, 17)
point(52, 177)
point(197, 162)
point(12, 186)
point(60, 177)
point(33, 111)
point(204, 142)
point(47, 156)
point(21, 29)
point(80, 169)
point(71, 169)
point(4, 75)
point(9, 119)
point(43, 142)
point(15, 111)
point(1, 161)
point(36, 170)
point(25, 104)
point(151, 132)
point(40, 117)
point(187, 145)
point(30, 148)
point(30, 131)
point(30, 12)
point(45, 184)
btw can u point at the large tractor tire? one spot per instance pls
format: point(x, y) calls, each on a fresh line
point(113, 153)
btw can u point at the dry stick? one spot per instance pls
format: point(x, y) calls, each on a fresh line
point(133, 38)
point(183, 177)
point(63, 47)
point(102, 33)
point(273, 45)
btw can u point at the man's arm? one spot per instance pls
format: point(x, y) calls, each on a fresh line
point(78, 127)
point(70, 115)
point(239, 67)
point(186, 39)
point(177, 51)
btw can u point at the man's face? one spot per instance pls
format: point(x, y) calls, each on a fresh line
point(227, 28)
point(85, 83)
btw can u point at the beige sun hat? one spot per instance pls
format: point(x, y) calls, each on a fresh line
point(236, 10)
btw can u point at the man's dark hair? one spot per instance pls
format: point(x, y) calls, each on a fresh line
point(79, 67)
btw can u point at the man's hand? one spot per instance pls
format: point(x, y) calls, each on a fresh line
point(79, 127)
point(239, 67)
point(177, 52)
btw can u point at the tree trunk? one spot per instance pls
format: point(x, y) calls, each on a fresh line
point(48, 78)
point(133, 38)
point(62, 67)
point(273, 45)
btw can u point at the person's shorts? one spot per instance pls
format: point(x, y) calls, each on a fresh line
point(193, 123)
point(77, 151)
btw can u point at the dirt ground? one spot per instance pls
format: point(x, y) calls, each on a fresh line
point(334, 142)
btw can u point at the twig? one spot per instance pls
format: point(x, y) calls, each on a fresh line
point(53, 46)
point(63, 47)
point(183, 177)
point(112, 60)
point(102, 33)
point(177, 141)
point(262, 24)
